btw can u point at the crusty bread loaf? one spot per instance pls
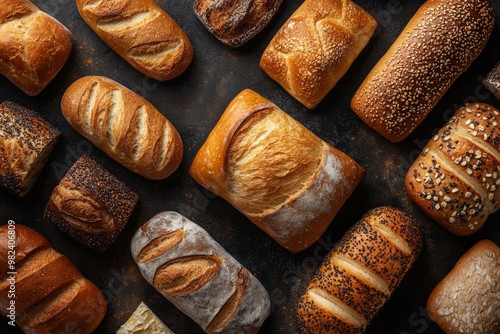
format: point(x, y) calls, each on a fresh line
point(51, 295)
point(26, 141)
point(235, 22)
point(316, 46)
point(439, 43)
point(141, 33)
point(194, 272)
point(143, 321)
point(492, 81)
point(284, 178)
point(467, 300)
point(33, 45)
point(124, 125)
point(90, 204)
point(456, 179)
point(360, 273)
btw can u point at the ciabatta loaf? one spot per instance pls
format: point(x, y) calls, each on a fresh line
point(360, 273)
point(124, 125)
point(187, 266)
point(439, 43)
point(456, 178)
point(316, 46)
point(279, 174)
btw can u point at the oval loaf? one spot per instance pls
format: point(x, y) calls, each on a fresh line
point(123, 125)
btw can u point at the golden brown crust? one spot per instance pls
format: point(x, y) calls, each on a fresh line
point(141, 33)
point(123, 125)
point(439, 43)
point(456, 179)
point(316, 46)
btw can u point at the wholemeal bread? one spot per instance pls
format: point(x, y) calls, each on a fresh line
point(284, 178)
point(50, 293)
point(194, 272)
point(143, 321)
point(492, 81)
point(439, 43)
point(316, 46)
point(124, 125)
point(33, 45)
point(26, 141)
point(235, 22)
point(141, 33)
point(456, 178)
point(360, 273)
point(467, 300)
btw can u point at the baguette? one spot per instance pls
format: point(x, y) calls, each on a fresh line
point(316, 46)
point(33, 45)
point(439, 43)
point(456, 179)
point(360, 273)
point(141, 33)
point(123, 125)
point(235, 22)
point(285, 179)
point(467, 300)
point(51, 295)
point(198, 276)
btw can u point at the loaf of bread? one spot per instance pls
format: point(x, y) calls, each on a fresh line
point(467, 300)
point(439, 43)
point(456, 178)
point(198, 276)
point(90, 204)
point(50, 295)
point(141, 33)
point(33, 45)
point(492, 81)
point(316, 46)
point(123, 125)
point(235, 22)
point(360, 273)
point(143, 321)
point(275, 171)
point(26, 141)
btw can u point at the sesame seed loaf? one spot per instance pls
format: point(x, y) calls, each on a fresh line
point(316, 46)
point(456, 178)
point(492, 81)
point(285, 179)
point(439, 43)
point(467, 300)
point(360, 273)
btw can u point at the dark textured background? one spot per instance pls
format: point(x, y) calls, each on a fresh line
point(193, 103)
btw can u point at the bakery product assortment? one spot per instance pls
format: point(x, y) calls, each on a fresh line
point(141, 33)
point(492, 81)
point(90, 204)
point(455, 179)
point(467, 300)
point(196, 274)
point(143, 321)
point(360, 273)
point(439, 43)
point(235, 22)
point(51, 295)
point(316, 46)
point(26, 141)
point(34, 46)
point(280, 175)
point(123, 125)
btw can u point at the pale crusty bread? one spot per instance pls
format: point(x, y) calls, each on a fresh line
point(284, 178)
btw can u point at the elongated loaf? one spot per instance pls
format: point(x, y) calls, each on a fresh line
point(194, 272)
point(141, 33)
point(456, 179)
point(284, 178)
point(316, 46)
point(360, 273)
point(235, 22)
point(50, 293)
point(439, 43)
point(124, 125)
point(467, 300)
point(33, 45)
